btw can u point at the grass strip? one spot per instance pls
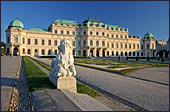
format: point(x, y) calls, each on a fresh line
point(81, 88)
point(36, 78)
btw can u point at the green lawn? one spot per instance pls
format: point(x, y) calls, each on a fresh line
point(36, 78)
point(81, 88)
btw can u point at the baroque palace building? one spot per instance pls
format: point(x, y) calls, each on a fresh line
point(90, 38)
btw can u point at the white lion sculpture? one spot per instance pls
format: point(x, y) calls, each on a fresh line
point(63, 64)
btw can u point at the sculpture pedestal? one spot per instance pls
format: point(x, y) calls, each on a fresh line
point(68, 83)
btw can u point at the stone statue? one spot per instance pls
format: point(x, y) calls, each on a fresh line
point(63, 64)
point(62, 68)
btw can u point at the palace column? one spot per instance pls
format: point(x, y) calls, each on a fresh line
point(94, 52)
point(100, 52)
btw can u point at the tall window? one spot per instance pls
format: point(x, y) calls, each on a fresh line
point(97, 43)
point(43, 52)
point(73, 33)
point(107, 35)
point(97, 33)
point(103, 43)
point(84, 43)
point(129, 53)
point(121, 53)
point(125, 36)
point(61, 31)
point(84, 33)
point(55, 42)
point(117, 53)
point(116, 36)
point(121, 45)
point(103, 33)
point(74, 43)
point(134, 53)
point(7, 39)
point(16, 39)
point(55, 52)
point(117, 45)
point(43, 42)
point(49, 42)
point(108, 45)
point(141, 53)
point(126, 46)
point(91, 43)
point(148, 46)
point(129, 46)
point(67, 32)
point(79, 43)
point(138, 46)
point(29, 51)
point(29, 41)
point(112, 35)
point(79, 52)
point(112, 45)
point(141, 46)
point(121, 36)
point(152, 45)
point(23, 40)
point(36, 41)
point(55, 31)
point(23, 51)
point(134, 46)
point(49, 52)
point(112, 53)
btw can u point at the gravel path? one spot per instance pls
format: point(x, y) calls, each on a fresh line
point(148, 95)
point(160, 74)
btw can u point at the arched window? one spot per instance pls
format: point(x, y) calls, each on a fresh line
point(97, 43)
point(23, 51)
point(103, 33)
point(74, 43)
point(129, 46)
point(97, 33)
point(35, 52)
point(55, 52)
point(134, 53)
point(91, 43)
point(91, 33)
point(68, 32)
point(121, 53)
point(42, 52)
point(61, 31)
point(134, 46)
point(117, 45)
point(49, 52)
point(103, 43)
point(112, 53)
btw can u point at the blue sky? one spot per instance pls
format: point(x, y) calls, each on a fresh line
point(137, 16)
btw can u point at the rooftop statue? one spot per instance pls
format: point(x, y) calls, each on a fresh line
point(63, 64)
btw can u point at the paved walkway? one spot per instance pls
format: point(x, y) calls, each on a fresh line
point(9, 69)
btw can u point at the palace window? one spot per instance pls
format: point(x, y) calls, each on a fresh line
point(133, 53)
point(23, 41)
point(112, 45)
point(117, 53)
point(79, 43)
point(67, 32)
point(121, 45)
point(108, 45)
point(61, 32)
point(91, 33)
point(36, 41)
point(108, 53)
point(55, 31)
point(43, 42)
point(84, 43)
point(148, 46)
point(134, 46)
point(49, 52)
point(103, 33)
point(29, 51)
point(152, 45)
point(112, 35)
point(138, 46)
point(141, 53)
point(121, 53)
point(125, 36)
point(97, 33)
point(49, 42)
point(103, 43)
point(121, 36)
point(29, 41)
point(137, 53)
point(126, 46)
point(74, 44)
point(7, 39)
point(117, 45)
point(141, 46)
point(55, 42)
point(112, 53)
point(116, 36)
point(125, 53)
point(129, 46)
point(84, 33)
point(79, 52)
point(23, 51)
point(55, 52)
point(73, 33)
point(129, 53)
point(43, 52)
point(91, 43)
point(16, 39)
point(107, 35)
point(35, 52)
point(97, 43)
point(73, 52)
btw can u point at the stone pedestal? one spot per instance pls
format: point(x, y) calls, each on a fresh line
point(68, 83)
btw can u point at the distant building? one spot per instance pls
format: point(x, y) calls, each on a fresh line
point(91, 37)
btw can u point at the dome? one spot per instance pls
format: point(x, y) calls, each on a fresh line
point(16, 23)
point(148, 35)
